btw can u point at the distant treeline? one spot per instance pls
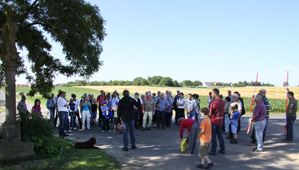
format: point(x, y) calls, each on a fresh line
point(159, 81)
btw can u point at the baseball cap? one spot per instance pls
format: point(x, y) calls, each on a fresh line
point(104, 102)
point(210, 93)
point(23, 97)
point(178, 90)
point(263, 90)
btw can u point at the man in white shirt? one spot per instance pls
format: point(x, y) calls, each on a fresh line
point(190, 107)
point(62, 107)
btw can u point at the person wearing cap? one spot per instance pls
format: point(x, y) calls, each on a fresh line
point(105, 111)
point(126, 115)
point(62, 107)
point(22, 106)
point(175, 107)
point(291, 116)
point(262, 92)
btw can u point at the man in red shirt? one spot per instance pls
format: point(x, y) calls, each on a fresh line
point(216, 116)
point(192, 127)
point(100, 100)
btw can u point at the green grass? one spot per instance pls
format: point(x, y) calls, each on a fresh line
point(2, 109)
point(278, 105)
point(71, 159)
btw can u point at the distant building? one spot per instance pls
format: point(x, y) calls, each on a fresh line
point(209, 84)
point(22, 85)
point(58, 85)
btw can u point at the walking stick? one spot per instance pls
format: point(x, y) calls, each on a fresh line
point(249, 123)
point(287, 85)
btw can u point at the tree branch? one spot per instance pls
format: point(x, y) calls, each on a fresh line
point(27, 12)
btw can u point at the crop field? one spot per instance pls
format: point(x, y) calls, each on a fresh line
point(276, 95)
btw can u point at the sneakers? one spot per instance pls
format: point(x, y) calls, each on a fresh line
point(133, 147)
point(228, 137)
point(209, 166)
point(200, 166)
point(222, 152)
point(125, 149)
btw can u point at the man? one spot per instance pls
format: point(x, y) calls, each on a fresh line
point(267, 105)
point(229, 94)
point(62, 106)
point(54, 101)
point(100, 99)
point(190, 107)
point(168, 111)
point(161, 107)
point(239, 101)
point(291, 116)
point(51, 107)
point(22, 107)
point(137, 111)
point(148, 110)
point(126, 115)
point(175, 106)
point(216, 116)
point(210, 98)
point(258, 118)
point(192, 127)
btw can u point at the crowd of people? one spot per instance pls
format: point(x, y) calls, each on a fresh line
point(128, 113)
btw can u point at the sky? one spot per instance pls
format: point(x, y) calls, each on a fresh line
point(206, 40)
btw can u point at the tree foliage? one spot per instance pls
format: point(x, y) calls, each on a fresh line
point(74, 24)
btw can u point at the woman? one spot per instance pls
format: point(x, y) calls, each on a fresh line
point(36, 109)
point(93, 111)
point(197, 109)
point(181, 105)
point(85, 112)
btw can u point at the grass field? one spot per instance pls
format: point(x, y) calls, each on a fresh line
point(276, 95)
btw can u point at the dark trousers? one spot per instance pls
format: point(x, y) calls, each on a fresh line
point(181, 113)
point(239, 123)
point(100, 116)
point(66, 121)
point(62, 118)
point(176, 114)
point(290, 123)
point(216, 130)
point(79, 119)
point(105, 124)
point(160, 118)
point(168, 116)
point(52, 114)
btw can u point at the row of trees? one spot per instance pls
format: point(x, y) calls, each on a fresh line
point(159, 81)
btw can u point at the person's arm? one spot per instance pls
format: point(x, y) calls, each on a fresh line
point(66, 104)
point(291, 108)
point(201, 132)
point(252, 118)
point(154, 110)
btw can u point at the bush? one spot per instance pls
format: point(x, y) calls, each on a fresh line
point(39, 131)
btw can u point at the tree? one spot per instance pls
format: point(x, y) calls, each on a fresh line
point(155, 80)
point(197, 83)
point(139, 81)
point(175, 83)
point(187, 83)
point(166, 81)
point(75, 24)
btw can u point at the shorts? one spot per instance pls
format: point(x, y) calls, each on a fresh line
point(115, 121)
point(234, 126)
point(93, 114)
point(203, 149)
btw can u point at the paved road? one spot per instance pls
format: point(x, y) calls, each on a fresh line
point(159, 149)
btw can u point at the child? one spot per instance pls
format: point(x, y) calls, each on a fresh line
point(72, 113)
point(105, 111)
point(234, 123)
point(115, 117)
point(205, 137)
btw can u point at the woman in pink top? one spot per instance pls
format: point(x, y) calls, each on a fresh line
point(36, 108)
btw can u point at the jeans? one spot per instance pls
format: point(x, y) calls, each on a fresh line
point(290, 123)
point(66, 121)
point(168, 116)
point(73, 116)
point(128, 126)
point(216, 130)
point(191, 115)
point(150, 117)
point(61, 123)
point(52, 113)
point(259, 129)
point(160, 118)
point(226, 123)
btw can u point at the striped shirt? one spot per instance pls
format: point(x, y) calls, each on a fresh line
point(22, 107)
point(266, 102)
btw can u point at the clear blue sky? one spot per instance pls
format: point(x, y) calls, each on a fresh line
point(206, 40)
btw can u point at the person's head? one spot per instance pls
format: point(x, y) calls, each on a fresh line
point(149, 93)
point(23, 99)
point(109, 94)
point(146, 93)
point(102, 92)
point(136, 95)
point(91, 96)
point(94, 100)
point(204, 111)
point(71, 100)
point(181, 95)
point(74, 96)
point(194, 96)
point(236, 96)
point(290, 94)
point(104, 103)
point(142, 97)
point(168, 96)
point(229, 93)
point(215, 93)
point(170, 93)
point(263, 92)
point(221, 96)
point(86, 98)
point(158, 93)
point(106, 98)
point(37, 103)
point(180, 120)
point(114, 94)
point(210, 94)
point(162, 96)
point(178, 92)
point(258, 98)
point(235, 107)
point(59, 91)
point(52, 95)
point(189, 96)
point(62, 94)
point(228, 99)
point(126, 93)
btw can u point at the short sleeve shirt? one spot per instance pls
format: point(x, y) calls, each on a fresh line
point(294, 110)
point(190, 104)
point(260, 111)
point(206, 137)
point(181, 101)
point(217, 111)
point(149, 105)
point(61, 102)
